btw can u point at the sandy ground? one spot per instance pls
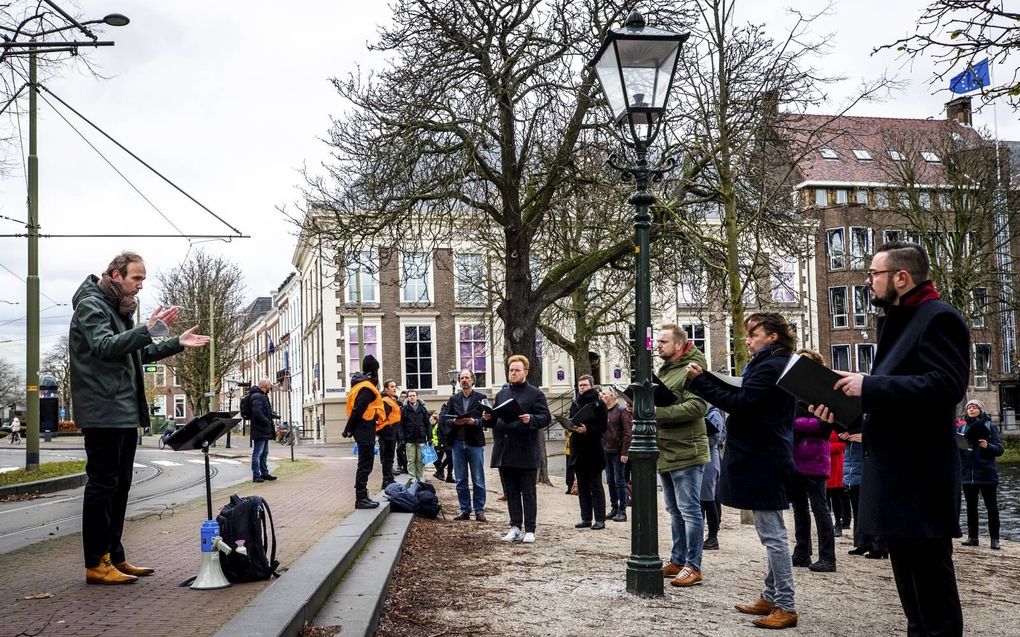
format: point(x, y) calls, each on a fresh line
point(457, 578)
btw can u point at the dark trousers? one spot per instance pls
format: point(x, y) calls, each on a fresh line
point(805, 491)
point(110, 458)
point(570, 472)
point(444, 460)
point(713, 516)
point(387, 449)
point(926, 583)
point(521, 499)
point(839, 502)
point(863, 540)
point(364, 435)
point(401, 456)
point(615, 481)
point(590, 494)
point(987, 491)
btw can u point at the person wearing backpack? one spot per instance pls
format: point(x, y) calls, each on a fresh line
point(364, 409)
point(262, 430)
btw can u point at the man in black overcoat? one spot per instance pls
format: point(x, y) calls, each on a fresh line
point(910, 491)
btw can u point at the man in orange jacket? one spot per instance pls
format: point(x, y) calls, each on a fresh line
point(364, 409)
point(386, 430)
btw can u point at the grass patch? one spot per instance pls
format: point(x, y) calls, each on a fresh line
point(46, 470)
point(287, 468)
point(1011, 450)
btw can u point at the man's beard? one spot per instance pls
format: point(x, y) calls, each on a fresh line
point(884, 301)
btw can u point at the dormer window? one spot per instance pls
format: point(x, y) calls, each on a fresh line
point(862, 155)
point(828, 153)
point(895, 155)
point(930, 157)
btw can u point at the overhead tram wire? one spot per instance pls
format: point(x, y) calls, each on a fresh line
point(22, 279)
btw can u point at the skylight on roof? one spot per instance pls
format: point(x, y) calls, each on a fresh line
point(828, 153)
point(862, 154)
point(895, 155)
point(930, 157)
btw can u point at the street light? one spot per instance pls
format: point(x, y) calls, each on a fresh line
point(454, 374)
point(34, 47)
point(635, 66)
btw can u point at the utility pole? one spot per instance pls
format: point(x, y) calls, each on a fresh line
point(32, 280)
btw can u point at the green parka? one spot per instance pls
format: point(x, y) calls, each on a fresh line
point(107, 353)
point(680, 428)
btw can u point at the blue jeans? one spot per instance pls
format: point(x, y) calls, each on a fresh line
point(681, 489)
point(616, 482)
point(466, 457)
point(779, 577)
point(259, 457)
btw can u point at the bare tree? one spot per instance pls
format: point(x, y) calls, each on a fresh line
point(955, 33)
point(210, 292)
point(58, 362)
point(12, 389)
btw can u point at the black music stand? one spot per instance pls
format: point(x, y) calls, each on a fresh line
point(200, 433)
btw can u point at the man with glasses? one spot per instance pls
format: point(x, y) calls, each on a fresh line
point(910, 491)
point(464, 417)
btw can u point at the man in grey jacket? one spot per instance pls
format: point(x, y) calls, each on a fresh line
point(107, 352)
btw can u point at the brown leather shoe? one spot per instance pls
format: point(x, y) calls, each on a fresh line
point(761, 606)
point(669, 569)
point(688, 576)
point(778, 618)
point(130, 569)
point(107, 573)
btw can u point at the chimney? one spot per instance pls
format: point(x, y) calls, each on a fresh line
point(958, 110)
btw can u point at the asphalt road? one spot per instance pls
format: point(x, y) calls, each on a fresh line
point(162, 479)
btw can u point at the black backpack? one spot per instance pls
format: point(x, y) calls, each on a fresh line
point(246, 406)
point(245, 519)
point(418, 497)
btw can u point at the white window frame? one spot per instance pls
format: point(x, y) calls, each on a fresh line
point(350, 342)
point(821, 197)
point(839, 321)
point(861, 197)
point(979, 304)
point(843, 347)
point(426, 280)
point(930, 157)
point(881, 199)
point(837, 259)
point(828, 153)
point(784, 280)
point(159, 402)
point(888, 236)
point(691, 327)
point(842, 196)
point(862, 155)
point(895, 155)
point(981, 379)
point(924, 199)
point(488, 381)
point(411, 322)
point(180, 406)
point(858, 349)
point(861, 313)
point(369, 279)
point(461, 286)
point(859, 253)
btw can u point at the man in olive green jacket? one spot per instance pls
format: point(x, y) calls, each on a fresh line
point(107, 352)
point(683, 453)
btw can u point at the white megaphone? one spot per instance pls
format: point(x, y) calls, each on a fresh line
point(210, 573)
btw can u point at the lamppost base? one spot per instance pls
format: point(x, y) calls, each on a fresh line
point(644, 576)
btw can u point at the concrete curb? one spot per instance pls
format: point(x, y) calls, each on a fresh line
point(283, 607)
point(72, 481)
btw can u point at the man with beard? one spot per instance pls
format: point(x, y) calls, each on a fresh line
point(589, 459)
point(463, 416)
point(910, 490)
point(106, 352)
point(364, 409)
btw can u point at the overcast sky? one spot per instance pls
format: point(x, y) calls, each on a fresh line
point(229, 99)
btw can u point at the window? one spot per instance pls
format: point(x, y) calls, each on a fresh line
point(982, 363)
point(472, 352)
point(835, 248)
point(895, 155)
point(354, 355)
point(696, 335)
point(944, 200)
point(415, 273)
point(692, 289)
point(862, 301)
point(930, 157)
point(904, 199)
point(821, 197)
point(862, 155)
point(865, 357)
point(469, 279)
point(924, 199)
point(159, 376)
point(828, 153)
point(179, 409)
point(842, 196)
point(364, 267)
point(838, 306)
point(861, 240)
point(159, 402)
point(979, 298)
point(891, 235)
point(841, 357)
point(417, 356)
point(784, 281)
point(861, 197)
point(881, 199)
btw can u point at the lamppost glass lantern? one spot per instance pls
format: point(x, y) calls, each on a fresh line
point(635, 66)
point(454, 375)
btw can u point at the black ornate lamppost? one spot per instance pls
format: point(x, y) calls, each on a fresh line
point(635, 66)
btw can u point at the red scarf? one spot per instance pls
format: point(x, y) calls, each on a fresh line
point(924, 291)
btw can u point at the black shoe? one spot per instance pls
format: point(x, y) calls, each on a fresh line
point(859, 550)
point(711, 543)
point(621, 516)
point(823, 566)
point(876, 555)
point(257, 480)
point(837, 531)
point(598, 526)
point(464, 515)
point(365, 503)
point(402, 470)
point(481, 517)
point(971, 541)
point(612, 513)
point(438, 476)
point(268, 477)
point(583, 524)
point(995, 544)
point(802, 561)
point(450, 479)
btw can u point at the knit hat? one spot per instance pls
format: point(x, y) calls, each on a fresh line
point(370, 366)
point(980, 405)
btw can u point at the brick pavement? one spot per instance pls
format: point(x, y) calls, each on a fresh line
point(305, 506)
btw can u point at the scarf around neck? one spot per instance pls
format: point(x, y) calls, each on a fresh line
point(126, 305)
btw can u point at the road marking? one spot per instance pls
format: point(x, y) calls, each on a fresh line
point(166, 463)
point(203, 461)
point(227, 461)
point(140, 466)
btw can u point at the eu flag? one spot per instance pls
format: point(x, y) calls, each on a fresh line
point(972, 79)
